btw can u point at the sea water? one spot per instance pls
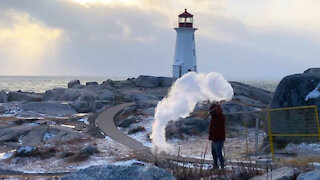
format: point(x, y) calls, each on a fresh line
point(40, 84)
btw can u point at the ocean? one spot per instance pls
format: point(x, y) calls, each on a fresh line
point(40, 84)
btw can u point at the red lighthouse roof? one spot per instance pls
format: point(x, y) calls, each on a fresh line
point(185, 14)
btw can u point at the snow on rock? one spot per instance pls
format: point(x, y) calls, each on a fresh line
point(313, 94)
point(84, 120)
point(109, 153)
point(48, 136)
point(303, 148)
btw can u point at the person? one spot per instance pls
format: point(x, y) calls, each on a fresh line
point(217, 133)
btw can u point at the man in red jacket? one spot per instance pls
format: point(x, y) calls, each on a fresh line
point(217, 133)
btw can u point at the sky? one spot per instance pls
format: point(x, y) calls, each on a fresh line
point(247, 39)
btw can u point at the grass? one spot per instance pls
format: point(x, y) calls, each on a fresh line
point(186, 171)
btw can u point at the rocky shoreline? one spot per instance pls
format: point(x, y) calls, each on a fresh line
point(31, 122)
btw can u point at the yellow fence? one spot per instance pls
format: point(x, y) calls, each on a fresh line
point(287, 124)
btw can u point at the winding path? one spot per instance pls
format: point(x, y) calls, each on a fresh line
point(105, 121)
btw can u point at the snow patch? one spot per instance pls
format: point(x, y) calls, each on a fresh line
point(48, 136)
point(313, 94)
point(303, 148)
point(84, 120)
point(127, 163)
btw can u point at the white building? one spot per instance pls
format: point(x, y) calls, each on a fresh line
point(185, 54)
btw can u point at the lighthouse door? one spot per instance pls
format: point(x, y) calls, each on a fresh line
point(180, 71)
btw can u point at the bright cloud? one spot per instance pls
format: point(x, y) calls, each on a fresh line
point(24, 43)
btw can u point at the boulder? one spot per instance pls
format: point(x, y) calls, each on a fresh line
point(166, 81)
point(136, 129)
point(22, 96)
point(85, 103)
point(127, 122)
point(106, 95)
point(284, 173)
point(88, 150)
point(311, 175)
point(292, 91)
point(78, 86)
point(72, 83)
point(26, 151)
point(84, 106)
point(112, 172)
point(186, 127)
point(49, 108)
point(54, 94)
point(3, 97)
point(250, 91)
point(123, 84)
point(146, 81)
point(93, 83)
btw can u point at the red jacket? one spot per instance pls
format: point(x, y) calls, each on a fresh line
point(217, 131)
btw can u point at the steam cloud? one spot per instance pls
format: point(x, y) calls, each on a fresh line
point(185, 93)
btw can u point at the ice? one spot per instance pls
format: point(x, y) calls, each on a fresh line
point(47, 136)
point(128, 163)
point(313, 94)
point(84, 120)
point(6, 155)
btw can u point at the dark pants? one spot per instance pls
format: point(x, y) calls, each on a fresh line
point(216, 149)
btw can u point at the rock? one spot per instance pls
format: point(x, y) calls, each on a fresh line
point(85, 103)
point(3, 97)
point(112, 172)
point(136, 129)
point(2, 109)
point(91, 83)
point(62, 94)
point(26, 151)
point(106, 95)
point(127, 122)
point(292, 91)
point(166, 81)
point(107, 82)
point(146, 81)
point(311, 175)
point(54, 94)
point(146, 104)
point(49, 108)
point(89, 150)
point(67, 154)
point(284, 173)
point(123, 84)
point(21, 96)
point(70, 95)
point(312, 70)
point(78, 86)
point(249, 91)
point(188, 126)
point(84, 106)
point(72, 83)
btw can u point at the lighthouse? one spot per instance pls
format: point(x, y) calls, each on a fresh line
point(185, 53)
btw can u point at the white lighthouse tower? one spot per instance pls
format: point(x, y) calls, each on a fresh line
point(185, 54)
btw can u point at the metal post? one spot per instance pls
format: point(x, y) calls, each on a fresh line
point(257, 135)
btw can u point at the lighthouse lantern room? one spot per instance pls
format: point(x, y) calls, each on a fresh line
point(185, 53)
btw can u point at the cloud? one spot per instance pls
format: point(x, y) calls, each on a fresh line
point(130, 37)
point(24, 42)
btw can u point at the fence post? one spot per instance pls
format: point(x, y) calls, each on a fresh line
point(257, 135)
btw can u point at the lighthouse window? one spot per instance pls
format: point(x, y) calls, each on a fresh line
point(194, 52)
